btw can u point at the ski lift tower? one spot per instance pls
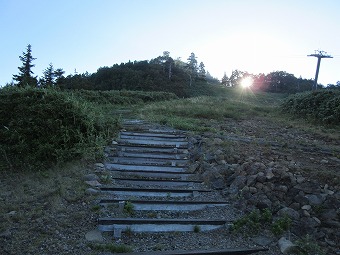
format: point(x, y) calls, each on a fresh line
point(319, 54)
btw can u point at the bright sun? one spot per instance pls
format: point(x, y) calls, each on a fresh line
point(246, 82)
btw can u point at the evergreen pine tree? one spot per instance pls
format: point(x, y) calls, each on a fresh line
point(225, 80)
point(25, 76)
point(192, 63)
point(59, 76)
point(48, 79)
point(201, 70)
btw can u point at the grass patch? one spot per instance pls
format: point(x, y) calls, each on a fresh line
point(123, 97)
point(308, 246)
point(29, 195)
point(256, 220)
point(197, 229)
point(192, 113)
point(129, 208)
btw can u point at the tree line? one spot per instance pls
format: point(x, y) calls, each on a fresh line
point(162, 73)
point(277, 82)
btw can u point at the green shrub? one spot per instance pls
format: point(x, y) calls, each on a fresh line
point(123, 97)
point(252, 223)
point(197, 229)
point(308, 246)
point(319, 106)
point(281, 225)
point(129, 208)
point(40, 127)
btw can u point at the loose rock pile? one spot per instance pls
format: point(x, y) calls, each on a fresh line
point(274, 183)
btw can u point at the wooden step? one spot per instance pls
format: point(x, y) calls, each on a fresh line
point(161, 205)
point(152, 192)
point(230, 251)
point(119, 225)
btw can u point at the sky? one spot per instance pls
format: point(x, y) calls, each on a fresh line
point(257, 36)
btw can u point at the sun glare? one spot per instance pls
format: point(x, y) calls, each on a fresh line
point(246, 82)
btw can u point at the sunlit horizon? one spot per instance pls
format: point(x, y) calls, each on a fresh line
point(250, 36)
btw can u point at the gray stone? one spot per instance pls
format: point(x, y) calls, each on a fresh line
point(261, 177)
point(328, 192)
point(286, 246)
point(91, 177)
point(213, 177)
point(292, 179)
point(331, 223)
point(281, 188)
point(252, 190)
point(219, 157)
point(332, 202)
point(259, 185)
point(305, 213)
point(290, 212)
point(6, 234)
point(219, 152)
point(264, 202)
point(93, 183)
point(317, 220)
point(238, 183)
point(306, 225)
point(310, 223)
point(271, 164)
point(218, 141)
point(269, 174)
point(251, 179)
point(94, 236)
point(306, 207)
point(235, 166)
point(114, 142)
point(308, 187)
point(301, 199)
point(91, 191)
point(262, 240)
point(222, 162)
point(279, 171)
point(193, 167)
point(300, 179)
point(314, 199)
point(99, 165)
point(218, 183)
point(329, 214)
point(295, 206)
